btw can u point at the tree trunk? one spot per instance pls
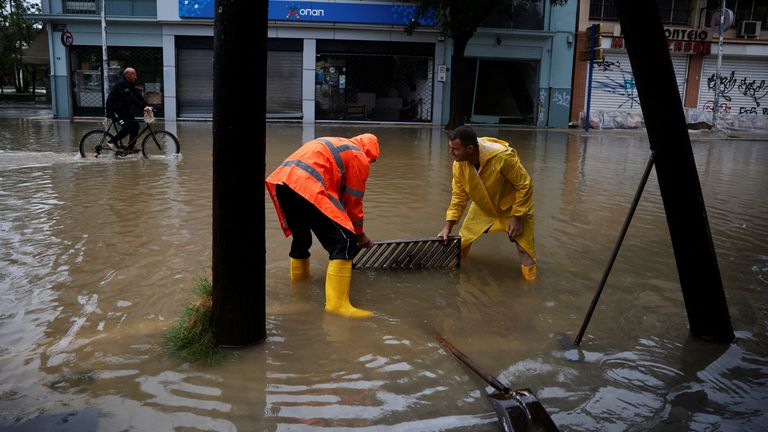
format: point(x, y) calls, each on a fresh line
point(17, 78)
point(27, 82)
point(239, 136)
point(457, 112)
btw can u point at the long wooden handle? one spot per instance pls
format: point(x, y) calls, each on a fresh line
point(490, 379)
point(616, 247)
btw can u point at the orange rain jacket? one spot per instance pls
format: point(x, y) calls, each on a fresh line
point(331, 174)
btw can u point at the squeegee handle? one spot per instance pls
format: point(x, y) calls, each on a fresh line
point(490, 379)
point(616, 248)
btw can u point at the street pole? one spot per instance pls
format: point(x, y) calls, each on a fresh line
point(694, 250)
point(592, 36)
point(104, 59)
point(716, 106)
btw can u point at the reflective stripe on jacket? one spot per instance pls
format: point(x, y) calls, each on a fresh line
point(331, 174)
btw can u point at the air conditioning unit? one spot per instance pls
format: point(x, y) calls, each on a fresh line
point(750, 29)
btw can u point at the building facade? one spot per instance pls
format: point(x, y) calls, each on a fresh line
point(326, 60)
point(692, 30)
point(519, 66)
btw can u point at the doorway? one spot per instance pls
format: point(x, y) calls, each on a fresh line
point(505, 91)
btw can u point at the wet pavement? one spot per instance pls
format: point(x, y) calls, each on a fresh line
point(26, 110)
point(98, 258)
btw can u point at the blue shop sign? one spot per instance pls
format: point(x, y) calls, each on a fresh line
point(280, 10)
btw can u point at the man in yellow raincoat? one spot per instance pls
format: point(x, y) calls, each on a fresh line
point(489, 172)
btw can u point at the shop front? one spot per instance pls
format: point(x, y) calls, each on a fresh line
point(613, 84)
point(504, 91)
point(743, 85)
point(377, 81)
point(86, 72)
point(194, 77)
point(517, 67)
point(614, 101)
point(325, 60)
point(370, 71)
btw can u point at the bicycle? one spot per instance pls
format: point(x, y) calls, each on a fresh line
point(154, 144)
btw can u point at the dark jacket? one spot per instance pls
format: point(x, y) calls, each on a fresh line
point(124, 96)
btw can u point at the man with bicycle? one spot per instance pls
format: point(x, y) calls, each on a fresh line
point(121, 99)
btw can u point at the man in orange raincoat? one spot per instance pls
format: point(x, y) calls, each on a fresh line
point(319, 188)
point(489, 172)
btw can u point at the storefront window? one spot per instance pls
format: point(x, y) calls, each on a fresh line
point(675, 12)
point(136, 8)
point(373, 87)
point(517, 14)
point(671, 12)
point(87, 76)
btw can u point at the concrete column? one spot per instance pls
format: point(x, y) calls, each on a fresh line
point(169, 76)
point(580, 74)
point(309, 63)
point(438, 91)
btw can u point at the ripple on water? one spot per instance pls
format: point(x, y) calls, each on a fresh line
point(98, 257)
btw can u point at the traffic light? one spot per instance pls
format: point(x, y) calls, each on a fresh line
point(593, 42)
point(593, 35)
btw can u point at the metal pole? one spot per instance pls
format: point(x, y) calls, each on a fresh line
point(695, 256)
point(592, 33)
point(616, 248)
point(104, 58)
point(716, 106)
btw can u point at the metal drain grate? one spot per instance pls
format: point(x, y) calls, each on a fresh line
point(420, 253)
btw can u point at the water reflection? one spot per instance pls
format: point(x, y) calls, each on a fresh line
point(98, 256)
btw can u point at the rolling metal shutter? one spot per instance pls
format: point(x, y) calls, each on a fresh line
point(284, 84)
point(613, 85)
point(744, 88)
point(194, 82)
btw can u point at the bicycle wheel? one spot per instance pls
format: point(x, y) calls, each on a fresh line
point(160, 143)
point(94, 144)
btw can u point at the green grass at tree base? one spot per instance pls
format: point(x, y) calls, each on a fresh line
point(191, 338)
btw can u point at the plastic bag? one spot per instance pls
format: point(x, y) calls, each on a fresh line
point(149, 116)
point(634, 120)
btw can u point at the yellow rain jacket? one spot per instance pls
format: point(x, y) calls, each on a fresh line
point(501, 189)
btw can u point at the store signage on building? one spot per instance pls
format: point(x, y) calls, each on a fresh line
point(301, 11)
point(686, 34)
point(675, 46)
point(679, 40)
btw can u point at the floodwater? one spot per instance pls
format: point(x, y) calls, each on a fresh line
point(98, 257)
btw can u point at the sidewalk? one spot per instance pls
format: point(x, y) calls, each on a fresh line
point(19, 109)
point(698, 135)
point(16, 109)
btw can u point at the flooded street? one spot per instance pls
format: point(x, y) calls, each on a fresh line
point(98, 257)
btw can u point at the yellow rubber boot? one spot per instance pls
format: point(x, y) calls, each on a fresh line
point(337, 285)
point(529, 272)
point(299, 269)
